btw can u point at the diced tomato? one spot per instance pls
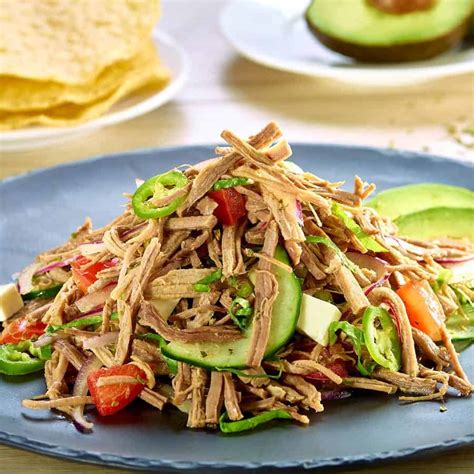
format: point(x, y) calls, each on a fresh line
point(231, 205)
point(423, 308)
point(110, 399)
point(21, 330)
point(338, 367)
point(84, 277)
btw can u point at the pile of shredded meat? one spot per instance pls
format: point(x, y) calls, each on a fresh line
point(166, 258)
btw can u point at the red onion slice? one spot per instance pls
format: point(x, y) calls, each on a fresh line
point(398, 242)
point(62, 263)
point(44, 340)
point(364, 260)
point(100, 341)
point(93, 301)
point(80, 390)
point(454, 260)
point(299, 212)
point(327, 395)
point(376, 284)
point(25, 284)
point(132, 230)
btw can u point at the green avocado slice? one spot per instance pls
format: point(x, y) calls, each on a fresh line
point(396, 202)
point(358, 29)
point(233, 354)
point(438, 222)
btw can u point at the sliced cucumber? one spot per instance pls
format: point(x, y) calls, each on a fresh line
point(286, 309)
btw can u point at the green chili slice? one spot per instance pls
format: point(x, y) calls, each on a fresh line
point(23, 358)
point(243, 286)
point(49, 292)
point(77, 323)
point(356, 337)
point(381, 338)
point(240, 317)
point(203, 285)
point(159, 186)
point(231, 183)
point(251, 423)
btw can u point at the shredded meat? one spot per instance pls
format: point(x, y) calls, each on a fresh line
point(71, 353)
point(215, 398)
point(197, 413)
point(369, 384)
point(151, 318)
point(266, 289)
point(194, 222)
point(231, 398)
point(429, 349)
point(211, 173)
point(351, 289)
point(312, 396)
point(182, 383)
point(153, 398)
point(405, 383)
point(150, 354)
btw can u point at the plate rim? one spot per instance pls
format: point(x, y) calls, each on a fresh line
point(22, 137)
point(134, 462)
point(354, 75)
point(82, 456)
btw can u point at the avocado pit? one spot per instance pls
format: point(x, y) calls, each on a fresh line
point(400, 7)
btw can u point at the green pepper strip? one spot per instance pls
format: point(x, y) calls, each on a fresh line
point(382, 342)
point(231, 183)
point(356, 337)
point(156, 187)
point(251, 423)
point(244, 287)
point(203, 285)
point(171, 363)
point(22, 358)
point(318, 239)
point(241, 317)
point(76, 323)
point(366, 240)
point(50, 292)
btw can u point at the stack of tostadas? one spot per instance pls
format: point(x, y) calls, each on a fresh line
point(63, 62)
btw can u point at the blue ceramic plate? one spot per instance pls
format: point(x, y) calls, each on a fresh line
point(39, 210)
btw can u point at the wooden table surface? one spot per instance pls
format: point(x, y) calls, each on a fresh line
point(227, 91)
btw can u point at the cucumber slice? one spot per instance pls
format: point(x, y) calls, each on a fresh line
point(286, 310)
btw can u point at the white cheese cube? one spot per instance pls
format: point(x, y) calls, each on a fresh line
point(10, 301)
point(315, 317)
point(164, 307)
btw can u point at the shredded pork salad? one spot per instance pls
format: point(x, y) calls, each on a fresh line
point(240, 290)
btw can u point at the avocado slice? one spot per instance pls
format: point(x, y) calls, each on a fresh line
point(436, 222)
point(396, 202)
point(360, 30)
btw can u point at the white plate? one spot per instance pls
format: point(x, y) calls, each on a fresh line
point(130, 107)
point(274, 33)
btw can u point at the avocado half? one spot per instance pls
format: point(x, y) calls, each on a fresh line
point(360, 30)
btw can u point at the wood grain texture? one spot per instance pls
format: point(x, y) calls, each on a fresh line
point(461, 461)
point(226, 91)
